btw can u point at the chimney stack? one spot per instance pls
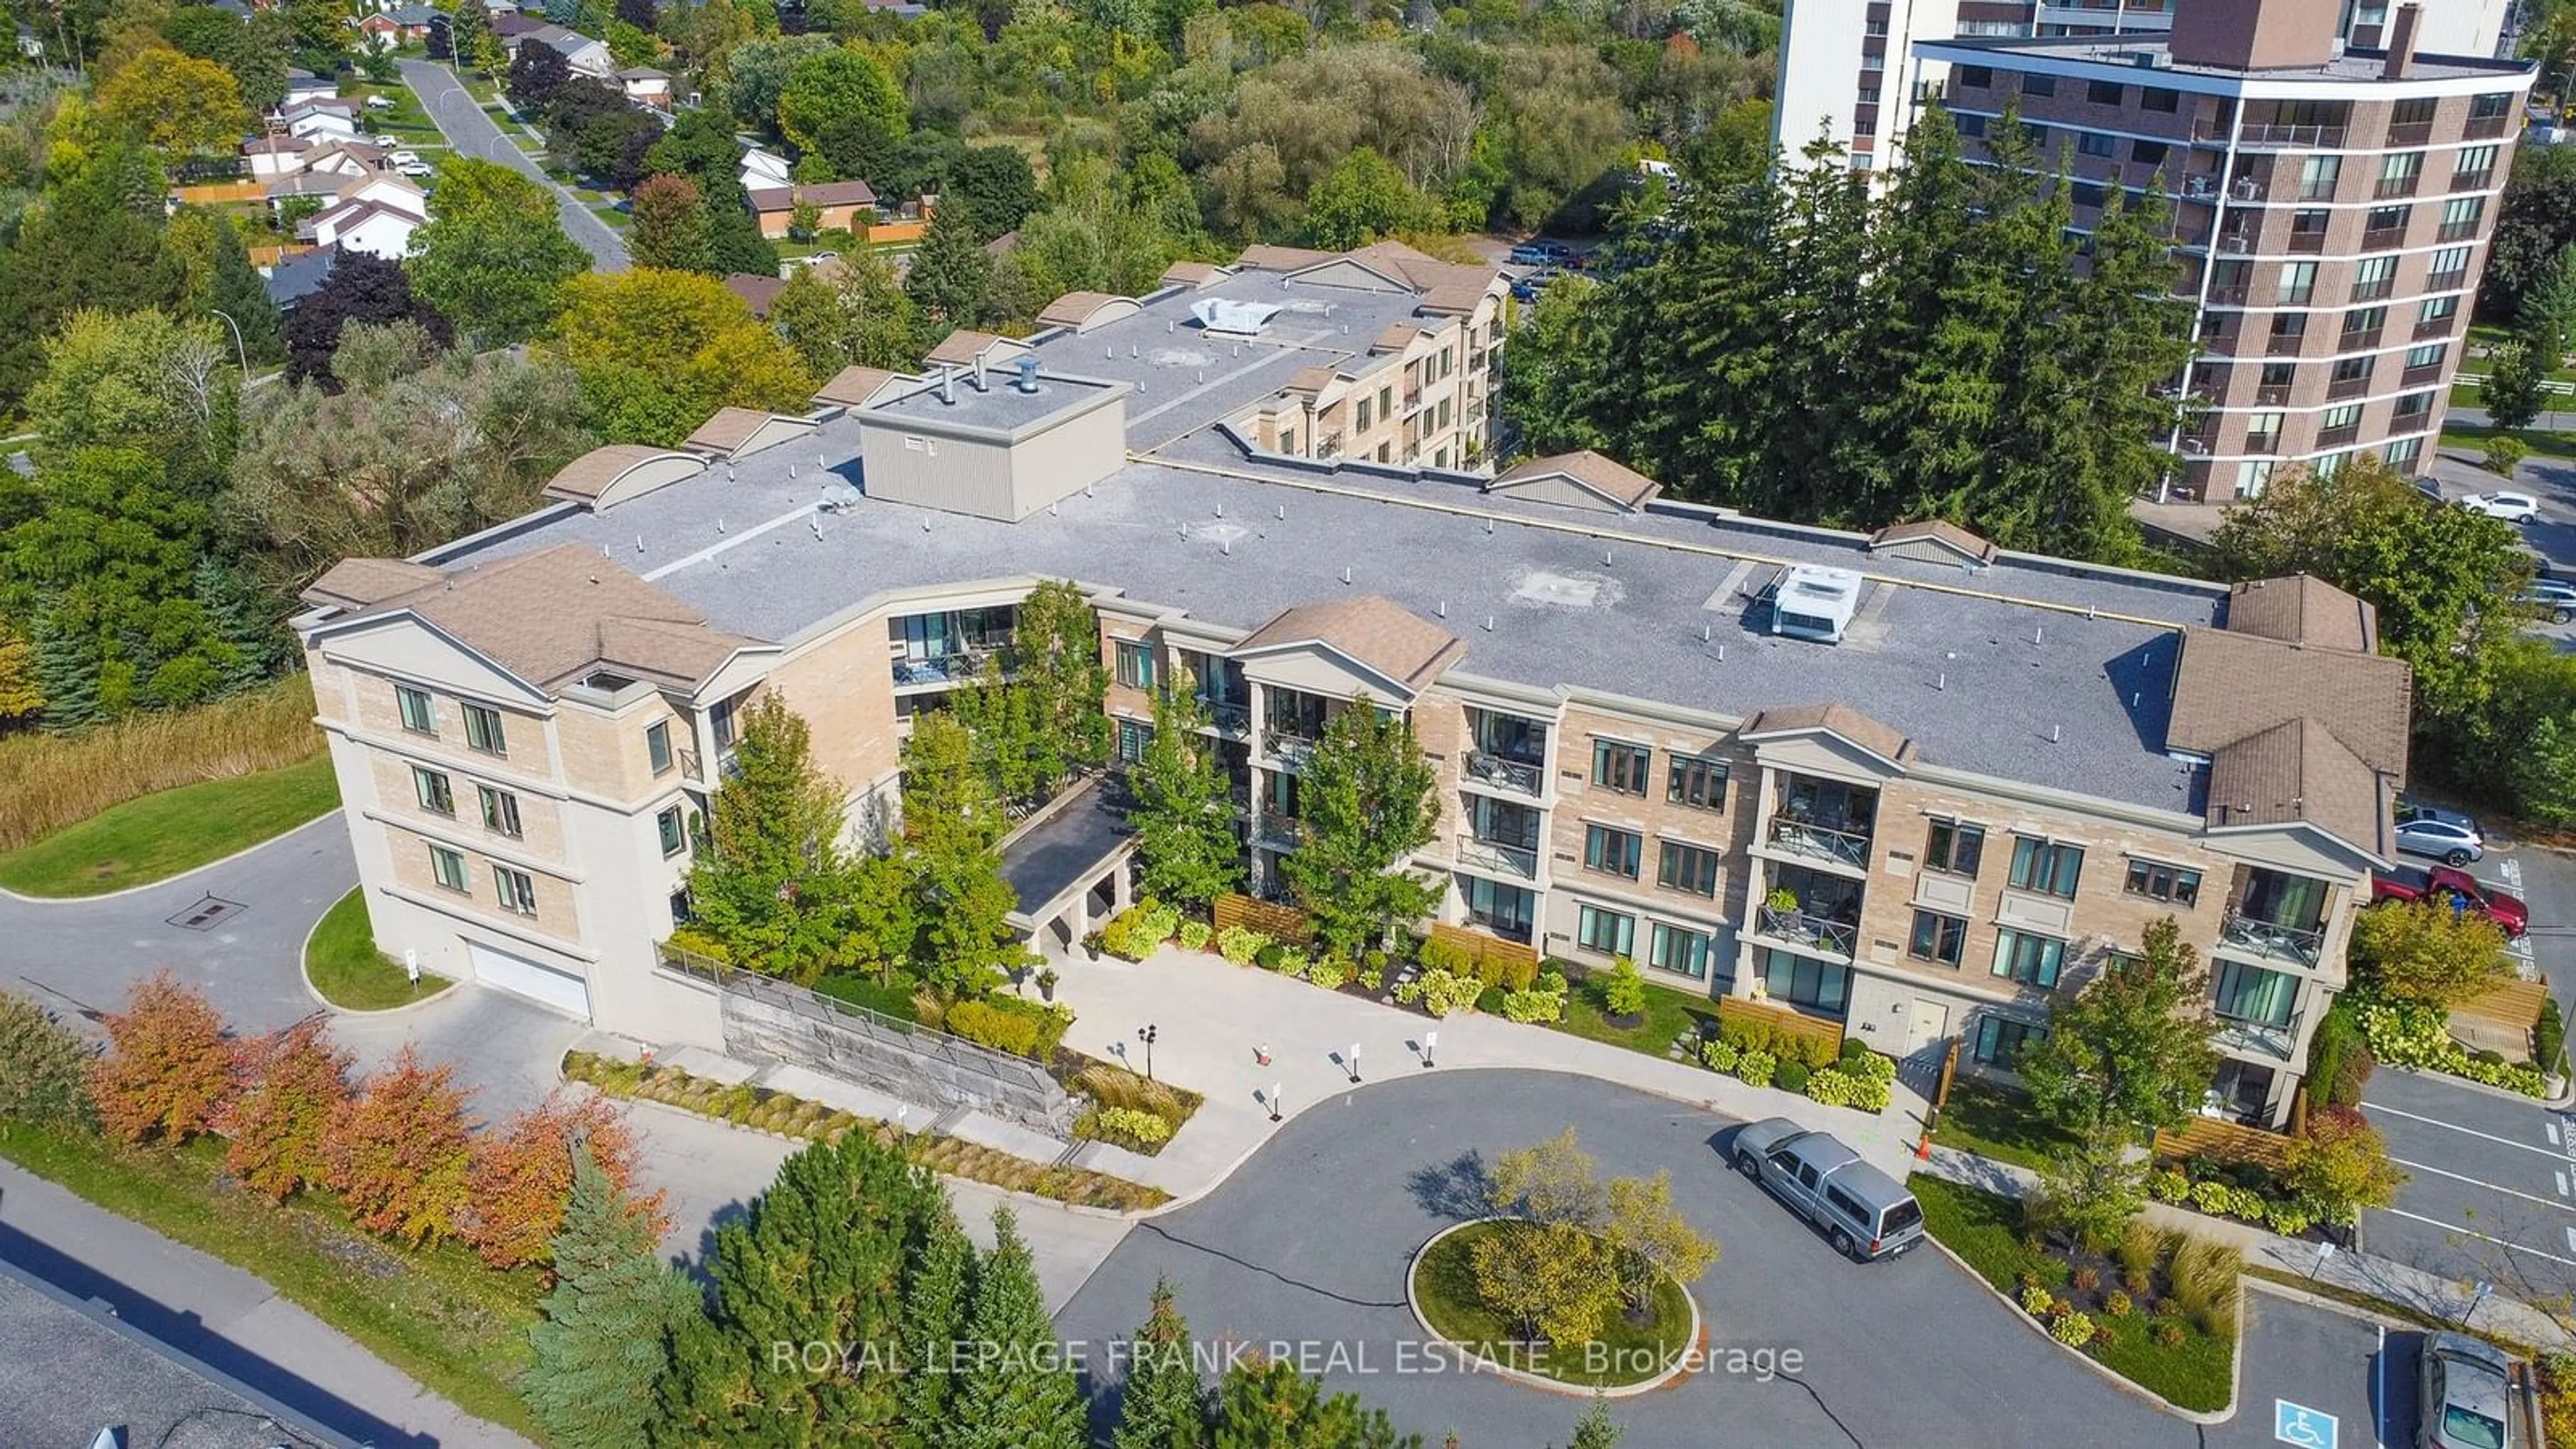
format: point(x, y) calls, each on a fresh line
point(2401, 42)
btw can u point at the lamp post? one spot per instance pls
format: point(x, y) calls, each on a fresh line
point(1355, 1063)
point(240, 349)
point(2475, 1298)
point(1430, 1044)
point(1146, 1034)
point(1274, 1101)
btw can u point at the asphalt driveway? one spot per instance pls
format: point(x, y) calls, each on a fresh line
point(1308, 1243)
point(470, 130)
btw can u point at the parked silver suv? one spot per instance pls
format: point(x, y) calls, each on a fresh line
point(1863, 1211)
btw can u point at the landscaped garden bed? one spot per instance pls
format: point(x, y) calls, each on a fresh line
point(2159, 1309)
point(746, 1105)
point(1625, 1349)
point(1998, 1123)
point(2418, 1035)
point(1127, 1110)
point(2309, 1186)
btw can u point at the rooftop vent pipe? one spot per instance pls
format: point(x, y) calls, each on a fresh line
point(1028, 367)
point(948, 384)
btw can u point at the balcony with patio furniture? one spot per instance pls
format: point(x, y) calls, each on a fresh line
point(1810, 911)
point(950, 647)
point(1824, 820)
point(1507, 751)
point(2276, 916)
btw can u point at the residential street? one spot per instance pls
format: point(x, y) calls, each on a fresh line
point(472, 132)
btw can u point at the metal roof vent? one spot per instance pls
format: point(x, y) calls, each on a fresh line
point(1028, 367)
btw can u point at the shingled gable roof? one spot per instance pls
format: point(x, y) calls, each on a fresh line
point(1376, 632)
point(1966, 545)
point(856, 387)
point(555, 615)
point(1611, 479)
point(1885, 741)
point(2303, 609)
point(2298, 772)
point(354, 583)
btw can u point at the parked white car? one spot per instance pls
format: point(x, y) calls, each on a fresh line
point(416, 170)
point(380, 103)
point(404, 158)
point(2511, 507)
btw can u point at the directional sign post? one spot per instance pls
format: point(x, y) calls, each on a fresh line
point(2300, 1425)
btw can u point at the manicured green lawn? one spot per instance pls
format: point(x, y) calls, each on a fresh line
point(2472, 437)
point(344, 965)
point(441, 1316)
point(1992, 1122)
point(160, 835)
point(1986, 1230)
point(1444, 1284)
point(1669, 1013)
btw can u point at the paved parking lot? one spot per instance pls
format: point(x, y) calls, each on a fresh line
point(2328, 1365)
point(2492, 1193)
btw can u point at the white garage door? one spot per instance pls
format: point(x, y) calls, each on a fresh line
point(558, 989)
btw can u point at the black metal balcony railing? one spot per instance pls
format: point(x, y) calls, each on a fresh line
point(1291, 750)
point(2377, 289)
point(2256, 1037)
point(2456, 231)
point(1505, 772)
point(1843, 847)
point(2272, 395)
point(2273, 137)
point(2276, 940)
point(2227, 296)
point(2285, 344)
point(689, 765)
point(951, 668)
point(1812, 932)
point(1226, 716)
point(2340, 437)
point(1497, 858)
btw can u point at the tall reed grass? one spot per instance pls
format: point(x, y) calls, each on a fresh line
point(51, 781)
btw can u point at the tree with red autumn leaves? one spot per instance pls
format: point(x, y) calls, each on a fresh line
point(169, 1067)
point(399, 1153)
point(279, 1127)
point(522, 1175)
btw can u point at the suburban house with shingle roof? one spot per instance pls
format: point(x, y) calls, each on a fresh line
point(842, 205)
point(1927, 834)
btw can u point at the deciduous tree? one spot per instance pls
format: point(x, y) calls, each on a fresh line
point(1650, 1240)
point(951, 822)
point(361, 288)
point(277, 1129)
point(175, 103)
point(400, 1153)
point(537, 72)
point(168, 1068)
point(609, 1319)
point(670, 226)
point(44, 1067)
point(1183, 814)
point(772, 886)
point(522, 1175)
point(1555, 1181)
point(951, 271)
point(1551, 1281)
point(837, 85)
point(2420, 952)
point(2130, 1055)
point(1366, 803)
point(854, 314)
point(2342, 1165)
point(1361, 199)
point(658, 351)
point(494, 254)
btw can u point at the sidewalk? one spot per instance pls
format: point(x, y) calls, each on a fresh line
point(1209, 1014)
point(225, 1317)
point(2411, 1288)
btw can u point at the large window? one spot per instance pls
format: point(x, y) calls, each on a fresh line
point(2046, 866)
point(1682, 952)
point(2159, 882)
point(1613, 851)
point(1697, 782)
point(419, 715)
point(2000, 1040)
point(1608, 932)
point(1955, 847)
point(500, 811)
point(2029, 959)
point(1687, 868)
point(1805, 981)
point(448, 869)
point(657, 745)
point(1937, 938)
point(1504, 910)
point(2298, 283)
point(516, 889)
point(2252, 994)
point(1133, 737)
point(435, 794)
point(1135, 664)
point(483, 729)
point(675, 835)
point(1621, 767)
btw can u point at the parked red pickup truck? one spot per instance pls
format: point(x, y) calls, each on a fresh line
point(2438, 883)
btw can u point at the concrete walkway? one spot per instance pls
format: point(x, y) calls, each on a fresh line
point(224, 1317)
point(1210, 1014)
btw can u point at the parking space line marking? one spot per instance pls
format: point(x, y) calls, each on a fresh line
point(2470, 1131)
point(2379, 1399)
point(2481, 1237)
point(2562, 1184)
point(2552, 1129)
point(2487, 1185)
point(2571, 1240)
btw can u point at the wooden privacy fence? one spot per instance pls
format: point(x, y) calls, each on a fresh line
point(1278, 922)
point(1783, 1021)
point(1482, 947)
point(218, 193)
point(2501, 1019)
point(2223, 1141)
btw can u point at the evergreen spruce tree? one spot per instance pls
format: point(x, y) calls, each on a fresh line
point(772, 887)
point(951, 271)
point(1163, 1406)
point(1366, 803)
point(1596, 1429)
point(1184, 821)
point(240, 623)
point(66, 675)
point(819, 1259)
point(1019, 1391)
point(609, 1319)
point(1273, 1406)
point(939, 1289)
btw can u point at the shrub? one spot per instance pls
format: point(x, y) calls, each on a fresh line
point(400, 1154)
point(1869, 1066)
point(2169, 1186)
point(1623, 991)
point(2035, 1301)
point(1373, 976)
point(1441, 993)
point(44, 1066)
point(2085, 1280)
point(1509, 970)
point(2138, 1281)
point(2116, 1304)
point(1813, 1052)
point(2342, 1166)
point(2073, 1329)
point(275, 1130)
point(1329, 972)
point(2418, 1035)
point(1534, 1006)
point(1375, 960)
point(2213, 1197)
point(1439, 954)
point(2168, 1332)
point(168, 1066)
point(986, 1024)
point(2205, 1278)
point(1756, 1067)
point(521, 1176)
point(2141, 1246)
point(1195, 935)
point(1719, 1055)
point(1835, 1087)
point(2290, 1218)
point(2504, 453)
point(1240, 945)
point(1124, 1125)
point(1791, 1075)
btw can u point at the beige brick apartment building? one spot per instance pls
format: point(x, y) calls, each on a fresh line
point(1908, 782)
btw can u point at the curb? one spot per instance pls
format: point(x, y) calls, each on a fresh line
point(2465, 1084)
point(154, 885)
point(1477, 1363)
point(304, 977)
point(2203, 1417)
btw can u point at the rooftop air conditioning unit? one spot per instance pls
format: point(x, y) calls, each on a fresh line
point(1813, 602)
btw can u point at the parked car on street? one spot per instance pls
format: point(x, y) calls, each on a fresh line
point(1540, 254)
point(2511, 507)
point(2448, 885)
point(403, 158)
point(1865, 1213)
point(2446, 835)
point(2555, 599)
point(380, 103)
point(2464, 1394)
point(416, 170)
point(1527, 286)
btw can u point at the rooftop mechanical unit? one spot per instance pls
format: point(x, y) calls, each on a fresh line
point(1812, 602)
point(1229, 314)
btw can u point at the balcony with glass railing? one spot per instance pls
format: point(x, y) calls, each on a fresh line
point(1823, 820)
point(1505, 773)
point(2272, 939)
point(2255, 1038)
point(1806, 932)
point(1278, 832)
point(1495, 857)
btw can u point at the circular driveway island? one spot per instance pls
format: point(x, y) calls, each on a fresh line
point(1306, 1246)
